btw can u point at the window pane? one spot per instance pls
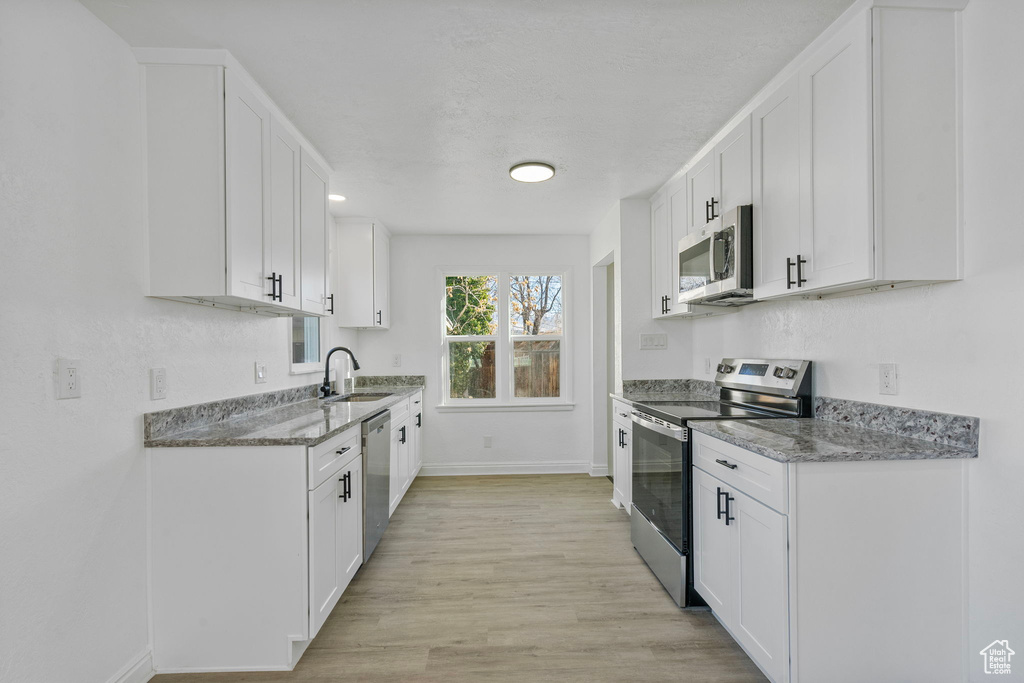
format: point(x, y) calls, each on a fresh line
point(471, 369)
point(305, 340)
point(535, 304)
point(536, 365)
point(471, 305)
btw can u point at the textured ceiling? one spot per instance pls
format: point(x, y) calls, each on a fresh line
point(421, 106)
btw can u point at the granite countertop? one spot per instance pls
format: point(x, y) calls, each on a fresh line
point(303, 423)
point(815, 440)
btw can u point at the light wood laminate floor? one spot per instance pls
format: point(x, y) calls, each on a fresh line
point(510, 578)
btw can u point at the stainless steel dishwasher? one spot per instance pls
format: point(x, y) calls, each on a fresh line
point(376, 479)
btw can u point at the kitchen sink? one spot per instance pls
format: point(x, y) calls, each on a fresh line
point(356, 398)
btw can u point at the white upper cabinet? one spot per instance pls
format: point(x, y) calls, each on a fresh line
point(231, 193)
point(700, 190)
point(878, 161)
point(247, 152)
point(363, 282)
point(283, 240)
point(721, 179)
point(851, 159)
point(314, 221)
point(776, 156)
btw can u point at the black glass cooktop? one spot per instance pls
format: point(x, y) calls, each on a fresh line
point(678, 412)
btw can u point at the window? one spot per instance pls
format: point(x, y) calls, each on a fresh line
point(504, 338)
point(304, 335)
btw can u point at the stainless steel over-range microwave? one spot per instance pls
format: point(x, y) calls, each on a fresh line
point(716, 264)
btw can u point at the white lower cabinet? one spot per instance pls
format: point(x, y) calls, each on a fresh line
point(832, 571)
point(622, 455)
point(740, 568)
point(335, 540)
point(406, 418)
point(251, 549)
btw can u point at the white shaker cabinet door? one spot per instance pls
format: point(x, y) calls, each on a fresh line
point(733, 168)
point(700, 191)
point(776, 159)
point(761, 614)
point(283, 258)
point(713, 545)
point(247, 169)
point(314, 221)
point(381, 277)
point(325, 551)
point(350, 527)
point(661, 264)
point(837, 236)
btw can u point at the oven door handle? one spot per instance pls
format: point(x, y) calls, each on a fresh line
point(671, 431)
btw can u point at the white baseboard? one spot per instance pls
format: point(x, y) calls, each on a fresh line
point(599, 470)
point(471, 468)
point(138, 670)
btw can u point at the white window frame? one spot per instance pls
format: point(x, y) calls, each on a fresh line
point(505, 399)
point(307, 368)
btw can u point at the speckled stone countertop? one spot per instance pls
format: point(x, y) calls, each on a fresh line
point(639, 391)
point(816, 440)
point(305, 423)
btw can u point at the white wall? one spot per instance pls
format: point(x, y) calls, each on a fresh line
point(944, 338)
point(673, 362)
point(453, 442)
point(73, 576)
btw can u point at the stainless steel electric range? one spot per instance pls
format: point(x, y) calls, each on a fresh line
point(660, 525)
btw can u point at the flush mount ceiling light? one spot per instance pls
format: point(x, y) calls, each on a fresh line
point(532, 172)
point(335, 197)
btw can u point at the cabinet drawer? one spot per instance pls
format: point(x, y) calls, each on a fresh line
point(761, 478)
point(399, 412)
point(621, 414)
point(327, 458)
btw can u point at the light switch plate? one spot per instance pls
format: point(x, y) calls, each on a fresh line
point(157, 383)
point(654, 341)
point(396, 360)
point(261, 372)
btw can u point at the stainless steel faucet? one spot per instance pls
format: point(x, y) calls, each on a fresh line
point(325, 388)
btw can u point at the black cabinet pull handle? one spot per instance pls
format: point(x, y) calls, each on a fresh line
point(707, 212)
point(419, 418)
point(800, 270)
point(331, 309)
point(402, 430)
point(789, 271)
point(714, 213)
point(379, 318)
point(346, 492)
point(726, 463)
point(718, 501)
point(344, 450)
point(275, 287)
point(621, 443)
point(728, 513)
point(280, 287)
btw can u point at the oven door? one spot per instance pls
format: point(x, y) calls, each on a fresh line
point(660, 479)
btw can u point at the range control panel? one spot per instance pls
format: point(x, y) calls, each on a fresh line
point(782, 377)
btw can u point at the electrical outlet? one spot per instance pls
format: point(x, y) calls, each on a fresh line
point(69, 378)
point(487, 441)
point(707, 366)
point(157, 383)
point(396, 360)
point(261, 372)
point(887, 378)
